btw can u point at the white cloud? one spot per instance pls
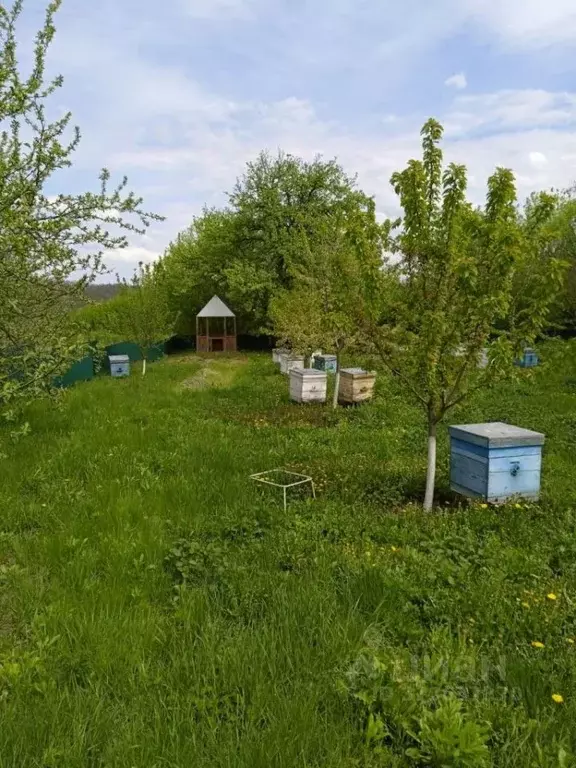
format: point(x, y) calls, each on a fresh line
point(526, 24)
point(538, 159)
point(457, 81)
point(183, 132)
point(507, 109)
point(219, 154)
point(131, 255)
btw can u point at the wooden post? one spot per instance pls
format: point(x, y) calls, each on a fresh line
point(235, 336)
point(208, 334)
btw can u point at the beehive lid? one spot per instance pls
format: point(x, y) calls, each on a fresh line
point(353, 370)
point(307, 372)
point(119, 358)
point(326, 357)
point(496, 434)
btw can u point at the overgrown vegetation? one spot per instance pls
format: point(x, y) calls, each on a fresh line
point(160, 609)
point(46, 240)
point(157, 608)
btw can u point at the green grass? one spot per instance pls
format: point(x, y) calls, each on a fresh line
point(159, 610)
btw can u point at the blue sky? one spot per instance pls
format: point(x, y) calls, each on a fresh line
point(180, 94)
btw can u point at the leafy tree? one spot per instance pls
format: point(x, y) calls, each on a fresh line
point(321, 309)
point(277, 201)
point(46, 241)
point(248, 251)
point(561, 243)
point(193, 268)
point(452, 292)
point(548, 240)
point(140, 313)
point(297, 320)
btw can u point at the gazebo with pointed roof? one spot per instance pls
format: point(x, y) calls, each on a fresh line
point(213, 332)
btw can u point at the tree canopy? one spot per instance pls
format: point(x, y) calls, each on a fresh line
point(249, 251)
point(51, 246)
point(458, 285)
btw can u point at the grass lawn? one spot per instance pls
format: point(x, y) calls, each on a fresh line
point(158, 609)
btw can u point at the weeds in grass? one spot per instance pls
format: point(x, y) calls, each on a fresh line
point(157, 610)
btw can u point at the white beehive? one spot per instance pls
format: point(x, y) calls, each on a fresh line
point(283, 361)
point(277, 352)
point(288, 361)
point(307, 385)
point(482, 359)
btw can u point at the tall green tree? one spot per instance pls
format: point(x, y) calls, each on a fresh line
point(51, 246)
point(320, 310)
point(193, 267)
point(140, 313)
point(277, 201)
point(246, 253)
point(561, 243)
point(452, 292)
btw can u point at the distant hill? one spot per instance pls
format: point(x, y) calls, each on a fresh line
point(101, 291)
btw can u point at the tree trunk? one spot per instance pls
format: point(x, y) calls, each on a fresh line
point(431, 472)
point(336, 382)
point(144, 367)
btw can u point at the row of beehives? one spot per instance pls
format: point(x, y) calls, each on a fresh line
point(494, 461)
point(310, 385)
point(529, 358)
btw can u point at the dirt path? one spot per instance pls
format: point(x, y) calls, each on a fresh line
point(215, 373)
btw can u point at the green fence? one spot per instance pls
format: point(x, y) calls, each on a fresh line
point(133, 351)
point(84, 369)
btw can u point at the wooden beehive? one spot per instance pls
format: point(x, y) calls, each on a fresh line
point(326, 363)
point(356, 386)
point(495, 461)
point(289, 361)
point(119, 365)
point(307, 385)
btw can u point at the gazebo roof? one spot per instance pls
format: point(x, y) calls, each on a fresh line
point(215, 308)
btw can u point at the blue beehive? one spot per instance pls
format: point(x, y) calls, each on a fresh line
point(119, 365)
point(325, 363)
point(495, 461)
point(529, 359)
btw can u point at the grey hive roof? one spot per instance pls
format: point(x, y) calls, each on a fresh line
point(496, 434)
point(216, 308)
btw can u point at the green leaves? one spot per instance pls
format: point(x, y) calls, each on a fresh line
point(459, 270)
point(50, 246)
point(253, 251)
point(469, 282)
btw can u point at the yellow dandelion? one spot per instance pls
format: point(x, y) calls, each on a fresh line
point(526, 605)
point(570, 640)
point(518, 506)
point(394, 549)
point(551, 596)
point(483, 506)
point(537, 644)
point(558, 698)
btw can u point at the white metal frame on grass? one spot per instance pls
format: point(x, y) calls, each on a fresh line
point(263, 477)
